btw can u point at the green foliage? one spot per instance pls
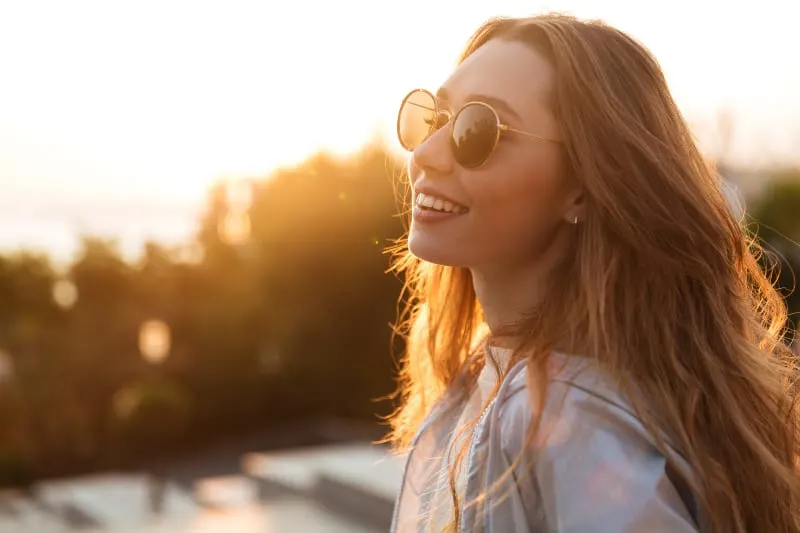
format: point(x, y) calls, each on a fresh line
point(778, 213)
point(777, 222)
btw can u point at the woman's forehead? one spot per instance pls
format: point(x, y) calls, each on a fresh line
point(509, 71)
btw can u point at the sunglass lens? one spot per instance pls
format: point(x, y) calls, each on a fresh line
point(474, 135)
point(416, 119)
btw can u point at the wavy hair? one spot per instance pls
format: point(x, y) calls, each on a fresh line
point(662, 285)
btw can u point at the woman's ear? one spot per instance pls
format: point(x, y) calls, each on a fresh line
point(575, 206)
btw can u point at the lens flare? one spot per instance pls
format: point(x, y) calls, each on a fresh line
point(65, 293)
point(154, 341)
point(234, 228)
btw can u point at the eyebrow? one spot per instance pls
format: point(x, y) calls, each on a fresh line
point(497, 103)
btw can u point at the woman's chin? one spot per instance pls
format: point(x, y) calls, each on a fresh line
point(434, 251)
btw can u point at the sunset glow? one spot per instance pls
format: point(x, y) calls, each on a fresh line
point(154, 101)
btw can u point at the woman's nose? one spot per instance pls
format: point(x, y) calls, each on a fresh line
point(434, 155)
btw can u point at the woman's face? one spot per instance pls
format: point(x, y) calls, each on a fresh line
point(516, 204)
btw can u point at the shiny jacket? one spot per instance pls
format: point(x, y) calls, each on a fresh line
point(592, 468)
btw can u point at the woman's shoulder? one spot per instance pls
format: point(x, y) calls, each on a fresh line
point(572, 381)
point(579, 395)
point(591, 456)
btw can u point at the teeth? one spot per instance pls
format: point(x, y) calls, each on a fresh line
point(438, 204)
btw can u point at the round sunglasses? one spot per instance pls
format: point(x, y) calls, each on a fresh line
point(474, 129)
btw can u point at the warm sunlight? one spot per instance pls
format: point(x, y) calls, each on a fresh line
point(221, 273)
point(150, 103)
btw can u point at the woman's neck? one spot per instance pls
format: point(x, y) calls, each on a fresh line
point(506, 298)
point(509, 293)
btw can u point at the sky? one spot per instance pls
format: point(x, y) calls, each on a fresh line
point(117, 116)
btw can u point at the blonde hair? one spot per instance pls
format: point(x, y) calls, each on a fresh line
point(696, 335)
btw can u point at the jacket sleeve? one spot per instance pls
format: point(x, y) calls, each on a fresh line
point(592, 467)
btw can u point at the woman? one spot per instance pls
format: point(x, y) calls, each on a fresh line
point(634, 376)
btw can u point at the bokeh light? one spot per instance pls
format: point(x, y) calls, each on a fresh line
point(234, 228)
point(65, 293)
point(154, 341)
point(124, 402)
point(6, 366)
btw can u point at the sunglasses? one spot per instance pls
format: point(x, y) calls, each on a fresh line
point(475, 129)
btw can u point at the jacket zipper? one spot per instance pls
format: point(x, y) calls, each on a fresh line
point(472, 445)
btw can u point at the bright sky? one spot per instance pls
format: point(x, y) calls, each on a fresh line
point(116, 116)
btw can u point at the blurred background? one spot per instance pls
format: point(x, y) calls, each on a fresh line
point(195, 200)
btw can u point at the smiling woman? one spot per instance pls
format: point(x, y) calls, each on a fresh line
point(591, 345)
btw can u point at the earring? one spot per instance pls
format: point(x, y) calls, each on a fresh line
point(574, 220)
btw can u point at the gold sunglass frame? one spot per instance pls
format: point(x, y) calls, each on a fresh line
point(452, 118)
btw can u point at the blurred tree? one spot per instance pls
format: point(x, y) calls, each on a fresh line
point(777, 222)
point(288, 320)
point(778, 212)
point(27, 308)
point(17, 466)
point(149, 418)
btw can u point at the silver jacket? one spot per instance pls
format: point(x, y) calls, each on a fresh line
point(592, 468)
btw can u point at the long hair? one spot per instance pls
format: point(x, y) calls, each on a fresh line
point(662, 285)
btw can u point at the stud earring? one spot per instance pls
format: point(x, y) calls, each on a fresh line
point(574, 220)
